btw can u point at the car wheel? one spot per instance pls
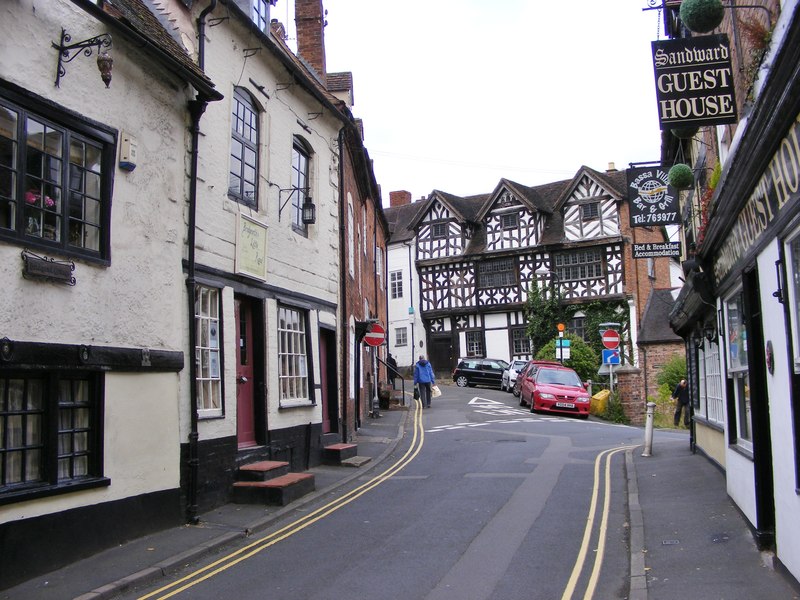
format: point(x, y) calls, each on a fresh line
point(509, 388)
point(462, 381)
point(502, 387)
point(515, 391)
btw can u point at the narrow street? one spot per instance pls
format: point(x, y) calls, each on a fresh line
point(481, 500)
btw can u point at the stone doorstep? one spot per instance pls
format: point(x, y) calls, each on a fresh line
point(263, 470)
point(278, 491)
point(336, 453)
point(356, 461)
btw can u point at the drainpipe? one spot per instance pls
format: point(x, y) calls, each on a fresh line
point(196, 109)
point(411, 297)
point(344, 325)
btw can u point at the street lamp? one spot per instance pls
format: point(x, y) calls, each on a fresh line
point(543, 272)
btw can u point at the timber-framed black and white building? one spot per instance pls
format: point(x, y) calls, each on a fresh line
point(460, 268)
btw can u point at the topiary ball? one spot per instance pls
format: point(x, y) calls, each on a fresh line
point(684, 133)
point(702, 16)
point(681, 176)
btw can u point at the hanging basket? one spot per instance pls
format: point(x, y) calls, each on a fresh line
point(684, 133)
point(681, 177)
point(701, 16)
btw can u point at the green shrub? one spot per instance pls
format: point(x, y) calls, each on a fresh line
point(672, 372)
point(614, 411)
point(582, 358)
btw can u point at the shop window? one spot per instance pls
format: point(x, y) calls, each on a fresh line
point(292, 355)
point(207, 352)
point(55, 178)
point(737, 370)
point(50, 433)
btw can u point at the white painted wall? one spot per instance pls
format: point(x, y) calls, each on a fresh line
point(398, 257)
point(136, 301)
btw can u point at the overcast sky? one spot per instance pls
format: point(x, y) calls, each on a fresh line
point(456, 94)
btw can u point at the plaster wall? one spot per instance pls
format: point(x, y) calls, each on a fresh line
point(712, 442)
point(135, 301)
point(398, 260)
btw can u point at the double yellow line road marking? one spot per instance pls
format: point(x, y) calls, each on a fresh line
point(234, 558)
point(590, 532)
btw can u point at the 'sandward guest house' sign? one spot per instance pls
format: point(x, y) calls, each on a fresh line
point(694, 82)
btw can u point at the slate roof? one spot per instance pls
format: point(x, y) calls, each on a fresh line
point(655, 328)
point(340, 82)
point(135, 20)
point(399, 218)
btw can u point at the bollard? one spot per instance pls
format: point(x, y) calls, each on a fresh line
point(648, 429)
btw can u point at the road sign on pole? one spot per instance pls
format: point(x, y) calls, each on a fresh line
point(375, 335)
point(610, 357)
point(610, 339)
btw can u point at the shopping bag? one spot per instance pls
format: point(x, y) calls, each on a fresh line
point(435, 391)
point(416, 393)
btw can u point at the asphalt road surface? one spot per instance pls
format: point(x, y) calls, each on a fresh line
point(482, 499)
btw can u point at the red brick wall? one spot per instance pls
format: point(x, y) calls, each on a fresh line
point(652, 358)
point(310, 23)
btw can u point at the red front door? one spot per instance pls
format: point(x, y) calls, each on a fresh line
point(245, 413)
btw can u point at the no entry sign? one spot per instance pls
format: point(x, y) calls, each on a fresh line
point(610, 339)
point(375, 335)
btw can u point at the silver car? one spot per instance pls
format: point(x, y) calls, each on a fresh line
point(510, 375)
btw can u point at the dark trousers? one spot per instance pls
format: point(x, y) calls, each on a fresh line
point(687, 417)
point(425, 393)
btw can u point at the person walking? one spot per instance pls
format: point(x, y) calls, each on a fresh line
point(681, 398)
point(391, 370)
point(424, 380)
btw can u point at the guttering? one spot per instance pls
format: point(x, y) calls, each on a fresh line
point(196, 109)
point(344, 325)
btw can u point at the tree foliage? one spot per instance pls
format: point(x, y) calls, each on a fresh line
point(543, 312)
point(672, 372)
point(583, 359)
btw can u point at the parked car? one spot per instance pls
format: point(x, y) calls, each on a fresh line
point(510, 375)
point(479, 371)
point(527, 371)
point(554, 388)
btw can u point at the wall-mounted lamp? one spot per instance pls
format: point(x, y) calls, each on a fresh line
point(308, 212)
point(68, 52)
point(710, 333)
point(779, 276)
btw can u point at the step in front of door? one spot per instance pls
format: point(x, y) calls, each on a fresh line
point(279, 491)
point(336, 453)
point(263, 470)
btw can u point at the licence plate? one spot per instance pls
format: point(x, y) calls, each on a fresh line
point(565, 405)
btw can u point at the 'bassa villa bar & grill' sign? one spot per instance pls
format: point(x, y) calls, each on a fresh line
point(694, 82)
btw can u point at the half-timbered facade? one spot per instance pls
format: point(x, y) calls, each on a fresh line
point(478, 257)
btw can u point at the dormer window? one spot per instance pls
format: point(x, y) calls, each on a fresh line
point(260, 13)
point(509, 221)
point(439, 231)
point(590, 211)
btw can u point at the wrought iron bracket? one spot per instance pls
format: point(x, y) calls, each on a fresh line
point(47, 269)
point(68, 52)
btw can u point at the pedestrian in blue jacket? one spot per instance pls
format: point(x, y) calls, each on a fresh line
point(424, 379)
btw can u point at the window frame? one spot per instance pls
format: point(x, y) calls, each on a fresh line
point(491, 276)
point(300, 181)
point(73, 128)
point(509, 221)
point(474, 344)
point(590, 211)
point(209, 357)
point(400, 337)
point(737, 371)
point(396, 285)
point(439, 231)
point(578, 267)
point(50, 439)
point(297, 366)
point(520, 342)
point(259, 13)
point(244, 101)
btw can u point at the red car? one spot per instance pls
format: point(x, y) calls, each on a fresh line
point(557, 389)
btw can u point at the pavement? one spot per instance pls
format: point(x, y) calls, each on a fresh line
point(687, 538)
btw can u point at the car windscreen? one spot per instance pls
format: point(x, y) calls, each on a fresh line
point(518, 364)
point(558, 377)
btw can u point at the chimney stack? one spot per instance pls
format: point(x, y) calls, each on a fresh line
point(611, 168)
point(310, 22)
point(277, 28)
point(399, 198)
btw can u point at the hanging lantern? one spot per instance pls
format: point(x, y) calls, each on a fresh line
point(684, 133)
point(701, 16)
point(681, 176)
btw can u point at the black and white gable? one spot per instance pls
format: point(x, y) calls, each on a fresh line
point(590, 207)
